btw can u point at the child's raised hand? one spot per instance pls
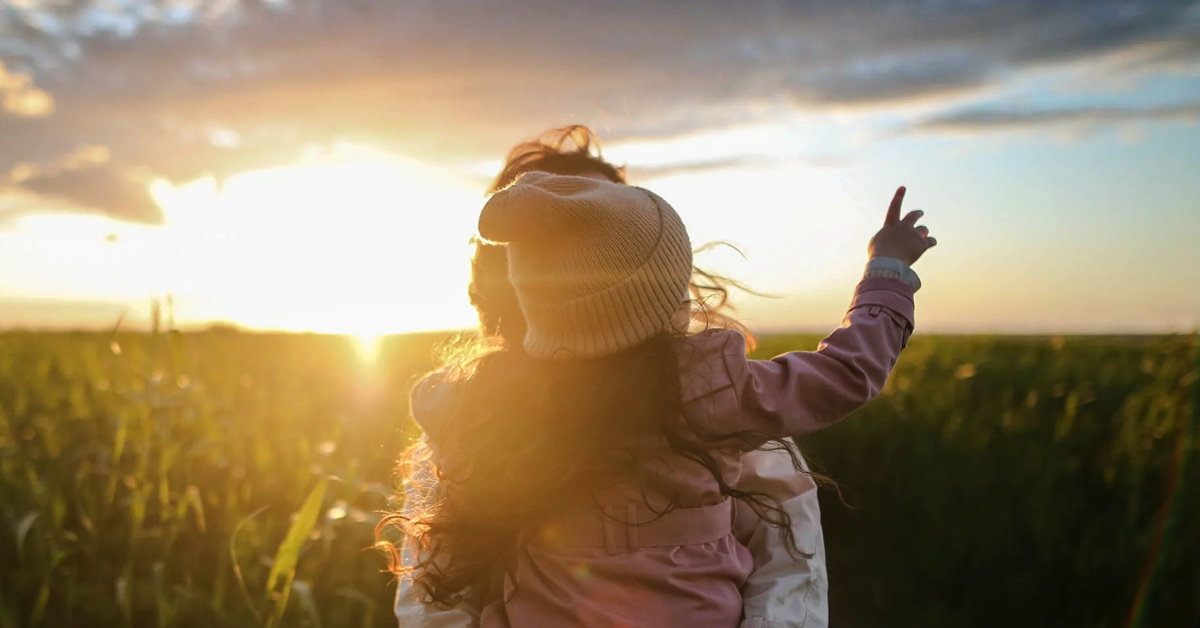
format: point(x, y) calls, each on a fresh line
point(901, 239)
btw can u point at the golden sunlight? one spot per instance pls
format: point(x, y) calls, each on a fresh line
point(367, 346)
point(355, 241)
point(365, 243)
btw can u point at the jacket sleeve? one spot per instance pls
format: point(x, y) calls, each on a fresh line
point(410, 612)
point(805, 391)
point(783, 591)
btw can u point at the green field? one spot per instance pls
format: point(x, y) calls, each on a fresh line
point(152, 480)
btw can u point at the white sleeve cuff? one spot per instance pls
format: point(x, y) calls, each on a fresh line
point(892, 267)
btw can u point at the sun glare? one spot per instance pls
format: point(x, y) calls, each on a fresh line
point(356, 242)
point(367, 346)
point(365, 243)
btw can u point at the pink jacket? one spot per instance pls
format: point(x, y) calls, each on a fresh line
point(625, 566)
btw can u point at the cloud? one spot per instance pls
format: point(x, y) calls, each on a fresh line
point(646, 173)
point(894, 78)
point(1181, 54)
point(86, 178)
point(20, 97)
point(164, 86)
point(114, 190)
point(84, 157)
point(993, 119)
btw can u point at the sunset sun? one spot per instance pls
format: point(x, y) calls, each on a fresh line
point(355, 241)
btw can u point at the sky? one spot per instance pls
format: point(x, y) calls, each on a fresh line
point(318, 165)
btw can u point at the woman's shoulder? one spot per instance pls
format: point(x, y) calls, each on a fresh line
point(710, 361)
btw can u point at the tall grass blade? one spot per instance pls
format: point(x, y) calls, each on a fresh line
point(22, 530)
point(289, 551)
point(284, 566)
point(237, 569)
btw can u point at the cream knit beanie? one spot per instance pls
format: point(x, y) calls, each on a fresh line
point(598, 267)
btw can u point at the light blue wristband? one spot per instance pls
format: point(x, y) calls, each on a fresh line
point(890, 266)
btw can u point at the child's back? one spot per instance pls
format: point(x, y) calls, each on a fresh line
point(656, 547)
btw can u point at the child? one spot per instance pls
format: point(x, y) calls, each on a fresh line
point(586, 478)
point(784, 590)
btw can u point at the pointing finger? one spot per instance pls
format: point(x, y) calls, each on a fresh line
point(893, 212)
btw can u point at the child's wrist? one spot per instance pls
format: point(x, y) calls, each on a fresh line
point(893, 268)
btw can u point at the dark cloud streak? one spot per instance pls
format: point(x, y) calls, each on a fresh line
point(642, 173)
point(990, 119)
point(108, 188)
